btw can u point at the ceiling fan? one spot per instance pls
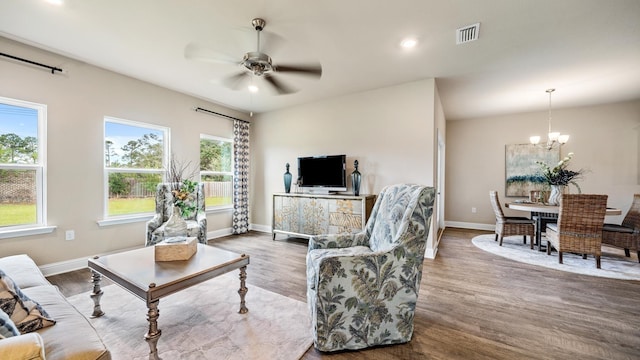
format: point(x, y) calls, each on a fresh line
point(259, 64)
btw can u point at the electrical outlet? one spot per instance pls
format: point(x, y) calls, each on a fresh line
point(473, 210)
point(69, 235)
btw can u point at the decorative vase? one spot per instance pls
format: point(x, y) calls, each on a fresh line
point(287, 180)
point(355, 179)
point(556, 193)
point(176, 225)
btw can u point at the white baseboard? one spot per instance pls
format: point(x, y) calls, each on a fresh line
point(431, 253)
point(81, 263)
point(73, 264)
point(473, 226)
point(218, 233)
point(261, 228)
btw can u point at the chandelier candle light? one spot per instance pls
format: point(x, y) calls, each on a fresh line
point(554, 138)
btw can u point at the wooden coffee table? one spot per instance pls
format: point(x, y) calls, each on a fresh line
point(139, 273)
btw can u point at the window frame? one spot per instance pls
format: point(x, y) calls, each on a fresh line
point(127, 218)
point(229, 173)
point(40, 167)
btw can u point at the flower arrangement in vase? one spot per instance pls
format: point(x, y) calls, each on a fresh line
point(182, 187)
point(558, 177)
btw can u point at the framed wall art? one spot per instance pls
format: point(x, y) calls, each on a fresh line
point(522, 172)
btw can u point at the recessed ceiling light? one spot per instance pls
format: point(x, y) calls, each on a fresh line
point(253, 88)
point(55, 2)
point(409, 43)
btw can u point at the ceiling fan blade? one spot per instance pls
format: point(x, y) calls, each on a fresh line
point(236, 81)
point(281, 88)
point(270, 42)
point(311, 70)
point(197, 52)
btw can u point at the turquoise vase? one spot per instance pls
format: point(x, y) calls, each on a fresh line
point(287, 180)
point(355, 179)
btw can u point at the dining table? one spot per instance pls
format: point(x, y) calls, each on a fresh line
point(543, 213)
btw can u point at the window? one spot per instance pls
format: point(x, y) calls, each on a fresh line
point(216, 170)
point(22, 164)
point(135, 155)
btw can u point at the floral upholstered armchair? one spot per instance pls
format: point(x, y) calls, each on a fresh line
point(362, 288)
point(196, 222)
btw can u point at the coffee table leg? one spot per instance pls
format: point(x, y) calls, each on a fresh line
point(154, 333)
point(96, 294)
point(243, 290)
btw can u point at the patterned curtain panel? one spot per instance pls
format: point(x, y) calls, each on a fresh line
point(240, 177)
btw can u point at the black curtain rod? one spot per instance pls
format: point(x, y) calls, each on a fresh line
point(52, 68)
point(219, 114)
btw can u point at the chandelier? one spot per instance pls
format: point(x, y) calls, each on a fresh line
point(553, 138)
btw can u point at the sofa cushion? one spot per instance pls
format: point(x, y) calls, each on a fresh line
point(7, 327)
point(27, 314)
point(28, 346)
point(617, 228)
point(73, 337)
point(23, 271)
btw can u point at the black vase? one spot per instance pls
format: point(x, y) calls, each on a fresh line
point(355, 179)
point(287, 180)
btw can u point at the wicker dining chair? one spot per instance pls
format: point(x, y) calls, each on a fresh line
point(579, 226)
point(511, 225)
point(627, 235)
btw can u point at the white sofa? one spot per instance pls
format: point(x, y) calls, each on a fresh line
point(71, 338)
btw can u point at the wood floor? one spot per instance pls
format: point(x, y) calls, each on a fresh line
point(472, 304)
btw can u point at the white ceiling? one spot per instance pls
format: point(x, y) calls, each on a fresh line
point(589, 50)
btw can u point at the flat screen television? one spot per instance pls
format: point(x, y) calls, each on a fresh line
point(323, 174)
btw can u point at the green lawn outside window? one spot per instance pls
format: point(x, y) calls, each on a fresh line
point(23, 214)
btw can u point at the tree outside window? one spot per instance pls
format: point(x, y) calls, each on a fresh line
point(21, 164)
point(216, 170)
point(134, 158)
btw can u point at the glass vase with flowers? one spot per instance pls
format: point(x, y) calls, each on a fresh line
point(183, 188)
point(559, 177)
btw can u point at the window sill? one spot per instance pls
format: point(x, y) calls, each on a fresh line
point(124, 220)
point(143, 218)
point(219, 209)
point(4, 234)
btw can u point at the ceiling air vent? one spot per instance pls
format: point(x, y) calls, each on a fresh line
point(467, 34)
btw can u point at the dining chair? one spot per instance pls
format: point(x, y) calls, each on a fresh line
point(511, 225)
point(627, 235)
point(579, 226)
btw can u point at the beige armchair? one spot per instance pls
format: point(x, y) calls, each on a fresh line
point(196, 223)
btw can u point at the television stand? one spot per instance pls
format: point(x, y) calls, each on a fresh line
point(304, 215)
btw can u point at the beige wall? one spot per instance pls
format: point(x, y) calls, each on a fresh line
point(604, 139)
point(390, 131)
point(77, 102)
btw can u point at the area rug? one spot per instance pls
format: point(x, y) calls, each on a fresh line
point(202, 322)
point(613, 262)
